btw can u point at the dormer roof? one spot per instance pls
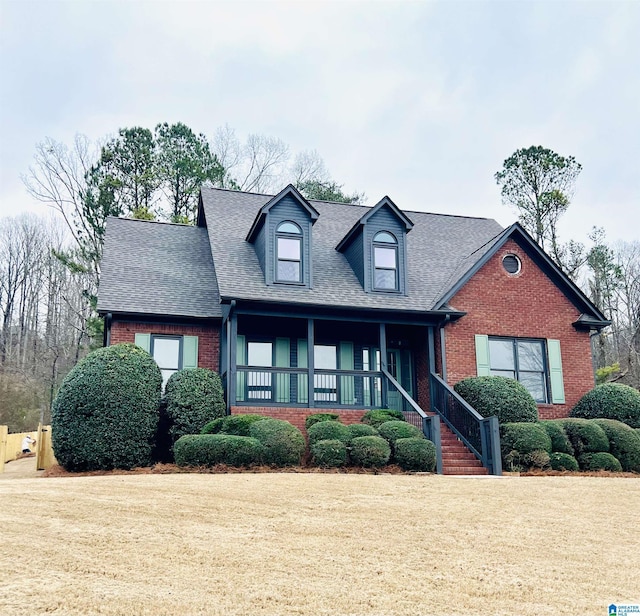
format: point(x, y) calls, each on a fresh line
point(289, 190)
point(357, 228)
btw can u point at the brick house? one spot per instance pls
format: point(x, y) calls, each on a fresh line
point(304, 306)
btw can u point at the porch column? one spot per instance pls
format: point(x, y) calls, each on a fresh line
point(431, 349)
point(232, 343)
point(443, 354)
point(383, 361)
point(310, 362)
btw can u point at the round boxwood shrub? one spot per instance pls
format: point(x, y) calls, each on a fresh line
point(624, 443)
point(240, 425)
point(369, 451)
point(328, 430)
point(610, 401)
point(559, 440)
point(524, 438)
point(415, 454)
point(212, 449)
point(213, 427)
point(393, 430)
point(585, 436)
point(317, 417)
point(379, 416)
point(331, 453)
point(106, 412)
point(563, 462)
point(283, 442)
point(356, 430)
point(599, 461)
point(194, 397)
point(497, 395)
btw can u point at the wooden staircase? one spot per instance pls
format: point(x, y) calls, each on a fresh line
point(456, 458)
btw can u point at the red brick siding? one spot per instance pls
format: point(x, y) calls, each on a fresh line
point(422, 378)
point(528, 305)
point(208, 337)
point(297, 416)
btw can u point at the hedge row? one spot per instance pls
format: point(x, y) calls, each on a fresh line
point(333, 444)
point(571, 444)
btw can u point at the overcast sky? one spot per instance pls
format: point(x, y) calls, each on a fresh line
point(421, 101)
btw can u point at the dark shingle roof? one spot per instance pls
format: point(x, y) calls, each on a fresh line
point(440, 249)
point(157, 269)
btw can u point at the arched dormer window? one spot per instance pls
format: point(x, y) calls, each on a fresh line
point(385, 262)
point(288, 252)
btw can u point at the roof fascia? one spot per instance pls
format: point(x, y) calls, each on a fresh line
point(557, 276)
point(289, 190)
point(384, 202)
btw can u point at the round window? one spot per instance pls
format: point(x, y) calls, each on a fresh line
point(511, 264)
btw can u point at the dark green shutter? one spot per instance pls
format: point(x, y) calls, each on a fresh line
point(144, 342)
point(241, 377)
point(303, 379)
point(483, 367)
point(555, 372)
point(283, 381)
point(347, 384)
point(189, 352)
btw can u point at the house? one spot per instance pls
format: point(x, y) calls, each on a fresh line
point(304, 306)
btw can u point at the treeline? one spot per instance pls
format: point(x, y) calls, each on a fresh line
point(50, 268)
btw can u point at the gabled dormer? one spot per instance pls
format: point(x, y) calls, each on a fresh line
point(376, 248)
point(281, 236)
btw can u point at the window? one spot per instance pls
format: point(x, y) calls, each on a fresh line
point(259, 384)
point(325, 357)
point(523, 360)
point(385, 262)
point(167, 352)
point(511, 264)
point(288, 253)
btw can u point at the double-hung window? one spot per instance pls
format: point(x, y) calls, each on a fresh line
point(523, 360)
point(288, 252)
point(167, 351)
point(385, 262)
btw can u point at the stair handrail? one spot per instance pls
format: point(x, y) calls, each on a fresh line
point(430, 423)
point(480, 434)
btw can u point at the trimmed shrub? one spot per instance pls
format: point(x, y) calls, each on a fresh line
point(369, 451)
point(585, 436)
point(559, 439)
point(415, 454)
point(599, 461)
point(563, 462)
point(624, 443)
point(317, 417)
point(379, 416)
point(283, 442)
point(497, 395)
point(328, 431)
point(240, 425)
point(394, 430)
point(524, 438)
point(105, 415)
point(356, 430)
point(194, 397)
point(610, 401)
point(212, 449)
point(213, 427)
point(330, 453)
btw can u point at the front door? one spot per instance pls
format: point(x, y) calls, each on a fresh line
point(400, 365)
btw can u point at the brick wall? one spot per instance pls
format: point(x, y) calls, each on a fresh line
point(208, 337)
point(297, 416)
point(528, 305)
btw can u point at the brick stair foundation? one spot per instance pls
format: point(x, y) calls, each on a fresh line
point(456, 458)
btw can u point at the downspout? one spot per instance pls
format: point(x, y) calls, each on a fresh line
point(106, 334)
point(230, 355)
point(443, 355)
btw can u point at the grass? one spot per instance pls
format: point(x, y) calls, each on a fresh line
point(317, 544)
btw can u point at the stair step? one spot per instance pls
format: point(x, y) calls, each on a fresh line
point(462, 470)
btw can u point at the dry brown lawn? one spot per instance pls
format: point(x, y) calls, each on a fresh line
point(318, 544)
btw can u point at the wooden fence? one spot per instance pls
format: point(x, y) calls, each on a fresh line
point(11, 446)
